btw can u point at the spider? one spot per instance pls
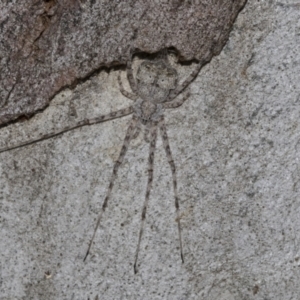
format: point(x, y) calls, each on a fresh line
point(154, 89)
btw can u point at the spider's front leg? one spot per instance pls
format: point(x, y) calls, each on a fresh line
point(103, 118)
point(165, 139)
point(129, 135)
point(153, 137)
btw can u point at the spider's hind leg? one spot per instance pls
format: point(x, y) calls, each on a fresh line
point(178, 101)
point(129, 135)
point(124, 92)
point(130, 77)
point(180, 88)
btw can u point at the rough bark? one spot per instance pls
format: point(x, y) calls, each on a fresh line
point(235, 143)
point(47, 45)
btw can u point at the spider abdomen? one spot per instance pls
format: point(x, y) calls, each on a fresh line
point(155, 80)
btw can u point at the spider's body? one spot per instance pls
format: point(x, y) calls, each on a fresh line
point(154, 89)
point(146, 111)
point(155, 80)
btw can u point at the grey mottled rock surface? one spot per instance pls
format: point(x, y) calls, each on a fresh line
point(47, 45)
point(236, 146)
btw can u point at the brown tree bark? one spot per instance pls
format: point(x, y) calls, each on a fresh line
point(47, 45)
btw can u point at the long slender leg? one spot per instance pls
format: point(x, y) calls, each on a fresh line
point(137, 131)
point(130, 77)
point(110, 116)
point(123, 91)
point(188, 80)
point(146, 134)
point(153, 135)
point(128, 137)
point(165, 140)
point(177, 102)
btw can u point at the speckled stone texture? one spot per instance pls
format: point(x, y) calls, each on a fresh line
point(235, 143)
point(48, 45)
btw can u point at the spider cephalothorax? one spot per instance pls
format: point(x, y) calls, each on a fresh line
point(154, 89)
point(147, 111)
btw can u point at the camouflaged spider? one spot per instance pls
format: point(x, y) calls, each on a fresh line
point(154, 89)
